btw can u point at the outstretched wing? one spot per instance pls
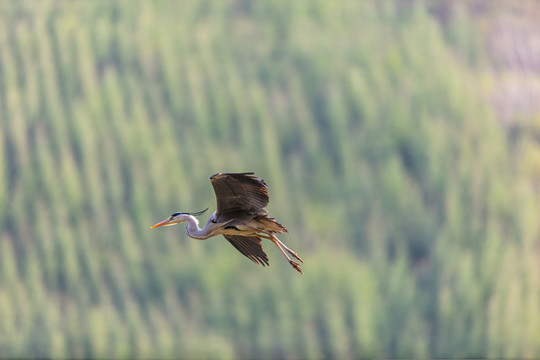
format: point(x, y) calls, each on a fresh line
point(250, 246)
point(239, 194)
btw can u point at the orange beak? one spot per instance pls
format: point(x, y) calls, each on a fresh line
point(162, 223)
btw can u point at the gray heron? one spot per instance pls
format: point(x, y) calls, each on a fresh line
point(241, 217)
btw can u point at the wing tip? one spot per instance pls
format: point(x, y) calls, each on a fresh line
point(252, 251)
point(233, 174)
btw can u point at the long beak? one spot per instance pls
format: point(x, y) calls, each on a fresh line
point(162, 223)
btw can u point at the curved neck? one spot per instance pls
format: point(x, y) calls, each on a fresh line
point(193, 230)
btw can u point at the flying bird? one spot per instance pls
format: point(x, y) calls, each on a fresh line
point(241, 217)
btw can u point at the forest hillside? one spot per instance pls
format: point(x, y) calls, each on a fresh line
point(393, 137)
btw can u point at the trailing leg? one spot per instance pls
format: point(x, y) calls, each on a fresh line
point(295, 255)
point(278, 243)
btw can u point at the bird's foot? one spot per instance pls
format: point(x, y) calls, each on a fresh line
point(296, 266)
point(295, 255)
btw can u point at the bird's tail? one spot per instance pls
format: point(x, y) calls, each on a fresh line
point(270, 224)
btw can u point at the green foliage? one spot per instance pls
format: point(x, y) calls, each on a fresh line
point(417, 228)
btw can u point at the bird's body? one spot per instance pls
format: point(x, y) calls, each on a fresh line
point(241, 217)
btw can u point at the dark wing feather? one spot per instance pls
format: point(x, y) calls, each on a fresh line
point(250, 246)
point(239, 193)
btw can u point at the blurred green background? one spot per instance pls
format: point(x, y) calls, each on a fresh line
point(400, 141)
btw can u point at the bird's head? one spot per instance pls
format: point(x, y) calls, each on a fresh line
point(178, 217)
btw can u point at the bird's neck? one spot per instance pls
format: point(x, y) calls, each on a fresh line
point(193, 230)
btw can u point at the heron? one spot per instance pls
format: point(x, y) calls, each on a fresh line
point(241, 217)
